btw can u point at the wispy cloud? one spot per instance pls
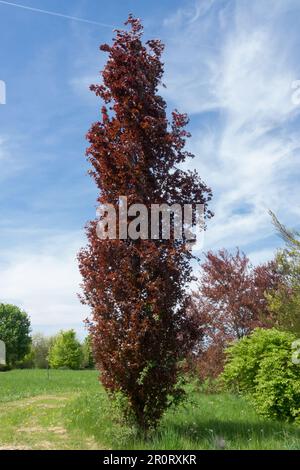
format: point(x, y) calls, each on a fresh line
point(235, 63)
point(189, 14)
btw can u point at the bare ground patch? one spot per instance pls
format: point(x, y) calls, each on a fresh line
point(37, 423)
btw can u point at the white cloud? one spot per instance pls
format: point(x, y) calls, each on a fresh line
point(261, 256)
point(190, 14)
point(45, 280)
point(235, 62)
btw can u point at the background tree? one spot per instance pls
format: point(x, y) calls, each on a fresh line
point(87, 354)
point(229, 303)
point(41, 346)
point(284, 302)
point(15, 332)
point(27, 362)
point(136, 288)
point(65, 351)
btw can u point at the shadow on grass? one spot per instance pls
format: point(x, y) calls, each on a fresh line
point(232, 428)
point(214, 434)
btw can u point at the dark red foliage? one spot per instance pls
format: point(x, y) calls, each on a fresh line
point(229, 303)
point(136, 288)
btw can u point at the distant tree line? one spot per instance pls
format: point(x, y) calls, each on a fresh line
point(26, 351)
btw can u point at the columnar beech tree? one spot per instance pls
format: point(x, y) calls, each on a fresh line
point(137, 288)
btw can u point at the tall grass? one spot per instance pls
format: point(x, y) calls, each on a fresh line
point(218, 421)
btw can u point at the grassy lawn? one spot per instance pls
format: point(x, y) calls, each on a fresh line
point(69, 410)
point(19, 384)
point(32, 408)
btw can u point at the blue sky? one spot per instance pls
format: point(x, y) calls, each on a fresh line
point(230, 64)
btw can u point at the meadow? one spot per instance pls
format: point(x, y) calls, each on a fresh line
point(69, 410)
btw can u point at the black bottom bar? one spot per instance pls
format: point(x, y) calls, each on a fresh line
point(135, 459)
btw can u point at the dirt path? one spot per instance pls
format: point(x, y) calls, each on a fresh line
point(37, 423)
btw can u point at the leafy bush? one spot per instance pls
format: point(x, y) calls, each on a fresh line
point(261, 367)
point(277, 394)
point(243, 357)
point(65, 351)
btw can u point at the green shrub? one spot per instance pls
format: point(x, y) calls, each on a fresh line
point(65, 352)
point(243, 357)
point(277, 393)
point(260, 366)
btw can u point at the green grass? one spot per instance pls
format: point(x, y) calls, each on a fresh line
point(19, 384)
point(69, 410)
point(32, 407)
point(205, 422)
